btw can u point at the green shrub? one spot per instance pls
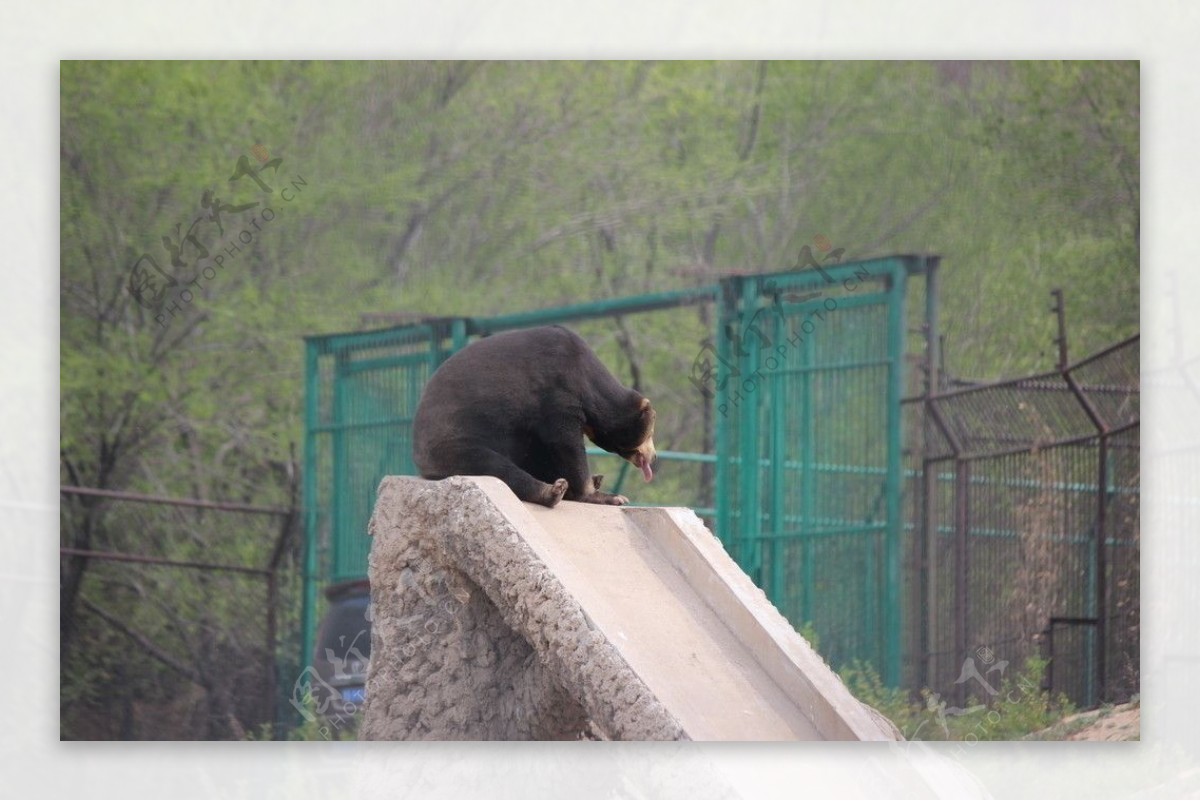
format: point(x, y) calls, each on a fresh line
point(311, 727)
point(1019, 707)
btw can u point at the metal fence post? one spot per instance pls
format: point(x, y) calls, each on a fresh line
point(962, 563)
point(893, 602)
point(1101, 568)
point(778, 389)
point(726, 314)
point(311, 505)
point(748, 478)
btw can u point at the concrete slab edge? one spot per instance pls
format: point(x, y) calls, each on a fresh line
point(585, 663)
point(786, 656)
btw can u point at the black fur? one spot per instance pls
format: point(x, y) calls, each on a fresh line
point(517, 405)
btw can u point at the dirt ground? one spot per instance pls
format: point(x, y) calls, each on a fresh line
point(1111, 724)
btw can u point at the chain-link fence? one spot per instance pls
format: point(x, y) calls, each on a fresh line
point(1026, 536)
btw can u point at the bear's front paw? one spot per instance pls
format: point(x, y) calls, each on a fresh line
point(606, 498)
point(557, 490)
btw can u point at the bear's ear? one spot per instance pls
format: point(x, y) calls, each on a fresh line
point(646, 415)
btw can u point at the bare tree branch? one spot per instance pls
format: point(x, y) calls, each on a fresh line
point(144, 642)
point(626, 344)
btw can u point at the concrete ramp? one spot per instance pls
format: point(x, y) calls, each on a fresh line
point(496, 619)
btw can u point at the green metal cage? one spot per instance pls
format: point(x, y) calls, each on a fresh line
point(804, 371)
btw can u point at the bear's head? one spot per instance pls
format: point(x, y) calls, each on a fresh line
point(631, 439)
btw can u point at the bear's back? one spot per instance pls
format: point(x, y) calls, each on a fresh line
point(501, 381)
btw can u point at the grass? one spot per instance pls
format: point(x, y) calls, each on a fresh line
point(1019, 708)
point(312, 727)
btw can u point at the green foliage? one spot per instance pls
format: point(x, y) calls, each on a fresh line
point(435, 188)
point(311, 728)
point(1019, 708)
point(809, 632)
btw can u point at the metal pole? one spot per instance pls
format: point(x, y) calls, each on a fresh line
point(116, 556)
point(750, 505)
point(808, 483)
point(722, 498)
point(893, 610)
point(311, 519)
point(135, 497)
point(779, 389)
point(928, 538)
point(962, 490)
point(1060, 314)
point(601, 308)
point(929, 572)
point(458, 334)
point(1101, 568)
point(925, 543)
point(933, 340)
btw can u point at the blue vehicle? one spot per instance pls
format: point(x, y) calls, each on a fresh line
point(342, 652)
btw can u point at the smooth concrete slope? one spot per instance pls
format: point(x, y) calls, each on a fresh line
point(632, 620)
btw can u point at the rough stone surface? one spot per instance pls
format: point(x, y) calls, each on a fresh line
point(497, 619)
point(473, 638)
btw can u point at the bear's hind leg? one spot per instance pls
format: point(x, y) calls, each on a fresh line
point(487, 462)
point(570, 460)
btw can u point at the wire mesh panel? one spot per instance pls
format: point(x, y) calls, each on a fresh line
point(809, 449)
point(994, 522)
point(1123, 580)
point(1109, 382)
point(1032, 552)
point(808, 372)
point(364, 390)
point(1030, 529)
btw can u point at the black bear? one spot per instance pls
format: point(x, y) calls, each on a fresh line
point(518, 405)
